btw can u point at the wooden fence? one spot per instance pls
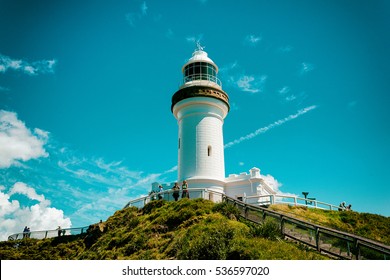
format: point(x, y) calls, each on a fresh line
point(325, 240)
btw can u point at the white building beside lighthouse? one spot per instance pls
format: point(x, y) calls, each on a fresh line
point(200, 107)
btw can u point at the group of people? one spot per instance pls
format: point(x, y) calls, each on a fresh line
point(176, 191)
point(344, 207)
point(26, 232)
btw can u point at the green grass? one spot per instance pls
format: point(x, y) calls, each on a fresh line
point(372, 226)
point(187, 229)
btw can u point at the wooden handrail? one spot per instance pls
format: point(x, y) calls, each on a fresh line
point(358, 241)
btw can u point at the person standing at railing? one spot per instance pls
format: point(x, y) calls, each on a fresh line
point(25, 232)
point(176, 190)
point(342, 206)
point(184, 188)
point(59, 231)
point(160, 190)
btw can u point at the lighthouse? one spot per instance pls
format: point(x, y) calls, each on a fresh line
point(200, 107)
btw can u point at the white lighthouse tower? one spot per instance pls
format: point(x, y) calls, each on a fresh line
point(200, 107)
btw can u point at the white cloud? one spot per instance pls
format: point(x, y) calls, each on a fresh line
point(105, 203)
point(29, 70)
point(271, 181)
point(17, 142)
point(270, 126)
point(15, 64)
point(285, 93)
point(169, 34)
point(133, 17)
point(234, 106)
point(306, 68)
point(290, 98)
point(249, 83)
point(275, 185)
point(252, 39)
point(194, 39)
point(285, 49)
point(33, 68)
point(284, 90)
point(39, 216)
point(144, 8)
point(228, 68)
point(89, 189)
point(22, 188)
point(97, 172)
point(234, 76)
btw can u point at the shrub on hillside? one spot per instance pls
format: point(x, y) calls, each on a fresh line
point(227, 210)
point(269, 229)
point(210, 239)
point(148, 208)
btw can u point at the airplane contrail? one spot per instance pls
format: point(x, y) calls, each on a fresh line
point(270, 126)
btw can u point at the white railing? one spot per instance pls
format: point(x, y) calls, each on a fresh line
point(43, 234)
point(202, 77)
point(168, 196)
point(289, 200)
point(259, 200)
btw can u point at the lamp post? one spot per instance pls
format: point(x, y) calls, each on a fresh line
point(305, 195)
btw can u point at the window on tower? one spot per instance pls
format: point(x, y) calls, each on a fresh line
point(209, 151)
point(200, 71)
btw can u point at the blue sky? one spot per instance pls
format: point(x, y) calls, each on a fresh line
point(85, 92)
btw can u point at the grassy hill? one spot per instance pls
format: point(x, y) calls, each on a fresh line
point(372, 226)
point(187, 229)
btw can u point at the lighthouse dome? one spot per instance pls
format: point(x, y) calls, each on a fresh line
point(200, 79)
point(200, 55)
point(200, 70)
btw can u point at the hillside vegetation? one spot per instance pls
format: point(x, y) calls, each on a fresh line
point(187, 229)
point(371, 226)
point(192, 229)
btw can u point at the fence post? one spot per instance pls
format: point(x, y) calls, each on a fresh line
point(282, 225)
point(357, 249)
point(317, 235)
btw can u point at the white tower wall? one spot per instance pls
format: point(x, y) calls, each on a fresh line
point(201, 153)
